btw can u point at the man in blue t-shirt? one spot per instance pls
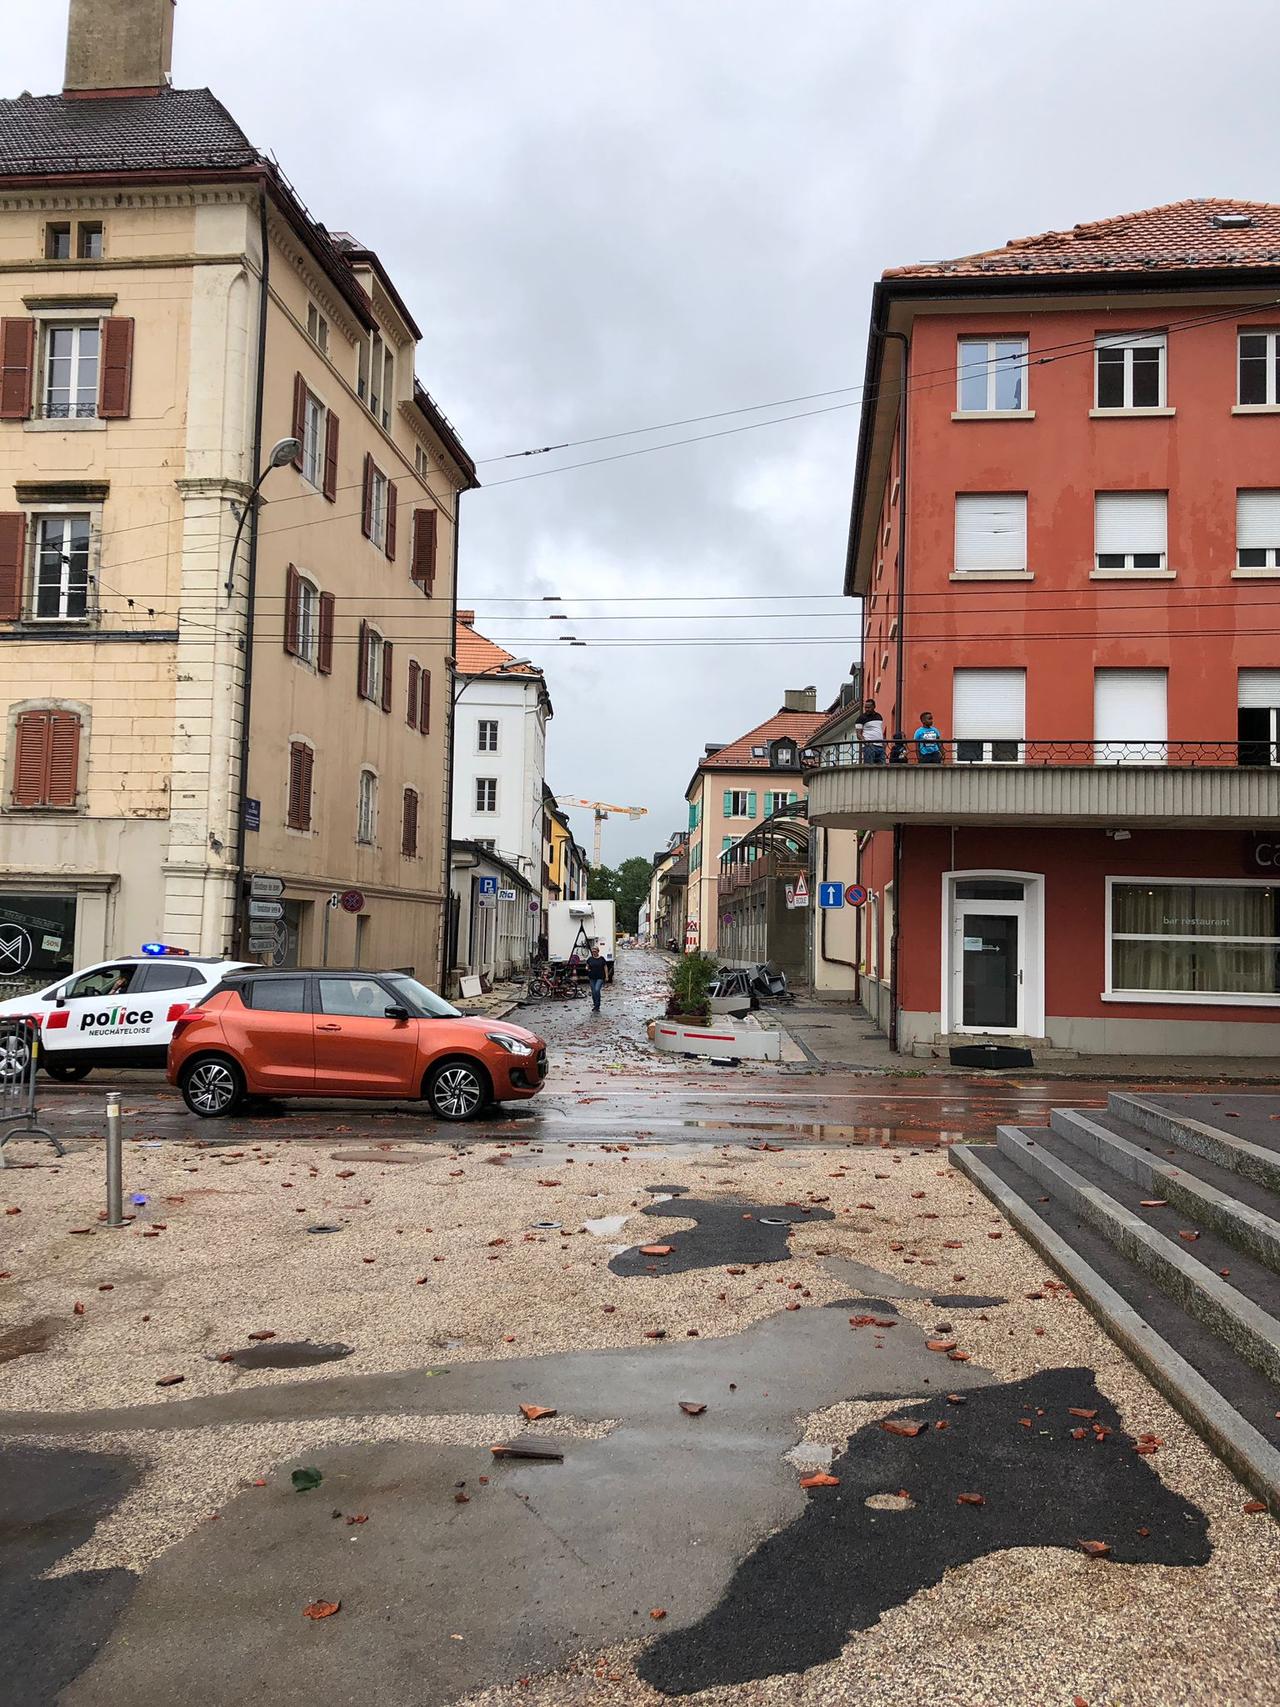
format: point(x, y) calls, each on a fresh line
point(928, 740)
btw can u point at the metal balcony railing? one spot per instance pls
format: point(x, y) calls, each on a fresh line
point(1192, 755)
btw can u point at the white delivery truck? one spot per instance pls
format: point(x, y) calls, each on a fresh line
point(574, 927)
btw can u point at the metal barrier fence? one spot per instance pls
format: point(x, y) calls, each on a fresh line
point(19, 1057)
point(903, 750)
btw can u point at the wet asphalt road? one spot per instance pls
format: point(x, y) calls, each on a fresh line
point(605, 1079)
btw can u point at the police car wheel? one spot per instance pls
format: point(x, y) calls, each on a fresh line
point(68, 1072)
point(212, 1087)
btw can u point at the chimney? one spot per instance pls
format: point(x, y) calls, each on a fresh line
point(466, 618)
point(118, 47)
point(800, 699)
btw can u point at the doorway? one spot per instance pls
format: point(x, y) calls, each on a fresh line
point(992, 970)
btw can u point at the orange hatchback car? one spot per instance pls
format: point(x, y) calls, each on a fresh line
point(263, 1033)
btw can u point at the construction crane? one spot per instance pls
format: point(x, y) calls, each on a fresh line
point(602, 811)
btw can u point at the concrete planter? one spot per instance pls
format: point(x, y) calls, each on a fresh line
point(721, 1036)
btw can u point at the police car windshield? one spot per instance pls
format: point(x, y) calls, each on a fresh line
point(421, 1001)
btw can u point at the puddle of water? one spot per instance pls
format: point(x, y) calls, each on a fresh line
point(287, 1354)
point(27, 1339)
point(911, 1137)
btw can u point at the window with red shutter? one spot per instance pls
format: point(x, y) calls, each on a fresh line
point(424, 702)
point(324, 648)
point(292, 583)
point(46, 758)
point(17, 362)
point(387, 651)
point(298, 811)
point(330, 486)
point(409, 836)
point(362, 662)
point(411, 712)
point(423, 563)
point(13, 551)
point(366, 506)
point(116, 379)
point(299, 416)
point(391, 522)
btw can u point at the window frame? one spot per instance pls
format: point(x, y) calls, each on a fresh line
point(736, 795)
point(483, 723)
point(490, 785)
point(375, 659)
point(1128, 564)
point(367, 807)
point(1270, 554)
point(307, 619)
point(315, 422)
point(1128, 343)
point(48, 327)
point(1182, 998)
point(994, 367)
point(317, 328)
point(1271, 360)
point(299, 744)
point(981, 571)
point(37, 518)
point(86, 231)
point(379, 495)
point(409, 846)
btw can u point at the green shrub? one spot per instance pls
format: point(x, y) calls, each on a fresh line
point(688, 981)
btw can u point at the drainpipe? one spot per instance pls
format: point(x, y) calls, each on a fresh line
point(446, 902)
point(246, 697)
point(900, 656)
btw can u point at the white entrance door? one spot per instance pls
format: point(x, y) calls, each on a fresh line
point(988, 962)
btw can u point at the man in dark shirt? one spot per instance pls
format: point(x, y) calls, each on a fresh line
point(597, 972)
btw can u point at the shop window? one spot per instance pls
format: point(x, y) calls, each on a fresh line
point(37, 940)
point(1185, 938)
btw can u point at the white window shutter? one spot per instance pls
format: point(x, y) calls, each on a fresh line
point(1257, 522)
point(1131, 521)
point(991, 530)
point(1129, 707)
point(1258, 690)
point(989, 705)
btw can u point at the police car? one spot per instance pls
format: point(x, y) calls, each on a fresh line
point(118, 1013)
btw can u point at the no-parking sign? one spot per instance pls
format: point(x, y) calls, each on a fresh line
point(855, 895)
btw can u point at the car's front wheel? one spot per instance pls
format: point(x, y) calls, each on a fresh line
point(457, 1090)
point(211, 1086)
point(66, 1072)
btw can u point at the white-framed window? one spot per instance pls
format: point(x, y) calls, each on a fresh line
point(1258, 717)
point(317, 328)
point(738, 803)
point(1258, 369)
point(1258, 529)
point(1131, 717)
point(421, 462)
point(57, 240)
point(307, 615)
point(988, 716)
point(991, 375)
point(62, 549)
point(1187, 939)
point(376, 378)
point(991, 533)
point(1131, 530)
point(313, 434)
point(89, 240)
point(1129, 370)
point(388, 386)
point(487, 735)
point(69, 370)
point(367, 807)
point(378, 508)
point(486, 794)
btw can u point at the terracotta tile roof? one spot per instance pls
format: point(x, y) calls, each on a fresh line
point(737, 756)
point(1178, 237)
point(176, 129)
point(476, 655)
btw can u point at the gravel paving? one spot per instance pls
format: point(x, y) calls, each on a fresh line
point(439, 1263)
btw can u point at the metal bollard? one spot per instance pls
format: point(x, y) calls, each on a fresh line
point(115, 1191)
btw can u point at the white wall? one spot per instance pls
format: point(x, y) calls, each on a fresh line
point(516, 704)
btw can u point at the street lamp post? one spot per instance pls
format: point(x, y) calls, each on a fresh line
point(284, 451)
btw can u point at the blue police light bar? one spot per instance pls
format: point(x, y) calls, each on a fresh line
point(162, 948)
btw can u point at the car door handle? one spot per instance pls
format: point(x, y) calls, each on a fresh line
point(328, 1028)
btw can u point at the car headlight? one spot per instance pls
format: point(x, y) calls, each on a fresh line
point(512, 1045)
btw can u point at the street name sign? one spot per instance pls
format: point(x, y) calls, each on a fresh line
point(266, 888)
point(266, 910)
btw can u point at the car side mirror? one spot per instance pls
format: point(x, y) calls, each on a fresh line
point(397, 1012)
point(60, 1000)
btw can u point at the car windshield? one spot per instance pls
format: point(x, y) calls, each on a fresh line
point(421, 1001)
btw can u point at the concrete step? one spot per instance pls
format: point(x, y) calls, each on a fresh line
point(1042, 1048)
point(1220, 1393)
point(1240, 1211)
point(1241, 1305)
point(1226, 1131)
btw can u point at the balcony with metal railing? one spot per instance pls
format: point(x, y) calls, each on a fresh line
point(1213, 784)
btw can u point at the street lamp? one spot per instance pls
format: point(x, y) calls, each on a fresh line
point(282, 452)
point(503, 669)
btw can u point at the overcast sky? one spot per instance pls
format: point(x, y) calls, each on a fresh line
point(612, 213)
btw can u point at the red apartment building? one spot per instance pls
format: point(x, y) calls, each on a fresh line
point(1066, 538)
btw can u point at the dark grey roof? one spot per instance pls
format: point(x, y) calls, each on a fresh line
point(185, 129)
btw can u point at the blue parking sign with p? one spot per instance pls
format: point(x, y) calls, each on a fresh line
point(488, 886)
point(831, 894)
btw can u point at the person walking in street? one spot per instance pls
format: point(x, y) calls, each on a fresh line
point(870, 726)
point(928, 740)
point(597, 972)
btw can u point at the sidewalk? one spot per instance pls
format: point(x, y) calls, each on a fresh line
point(496, 1003)
point(834, 1034)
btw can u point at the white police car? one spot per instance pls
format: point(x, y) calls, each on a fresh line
point(118, 1013)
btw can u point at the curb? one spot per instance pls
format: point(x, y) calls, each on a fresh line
point(1251, 1458)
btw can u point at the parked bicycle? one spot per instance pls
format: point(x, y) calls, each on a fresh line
point(559, 983)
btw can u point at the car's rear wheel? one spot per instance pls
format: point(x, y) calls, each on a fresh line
point(458, 1090)
point(67, 1072)
point(211, 1086)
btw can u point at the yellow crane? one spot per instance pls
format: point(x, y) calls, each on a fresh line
point(602, 811)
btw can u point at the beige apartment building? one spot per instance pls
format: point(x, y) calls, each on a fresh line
point(192, 692)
